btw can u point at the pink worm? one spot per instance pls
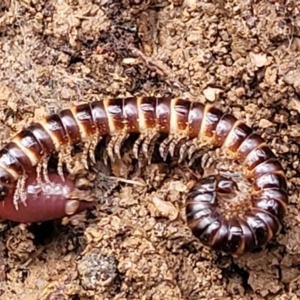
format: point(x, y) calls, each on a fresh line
point(43, 201)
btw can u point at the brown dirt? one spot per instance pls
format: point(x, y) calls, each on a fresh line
point(243, 55)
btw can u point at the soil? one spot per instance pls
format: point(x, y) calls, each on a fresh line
point(240, 55)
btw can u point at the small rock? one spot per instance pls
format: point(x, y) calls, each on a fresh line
point(240, 92)
point(264, 123)
point(211, 94)
point(258, 59)
point(165, 208)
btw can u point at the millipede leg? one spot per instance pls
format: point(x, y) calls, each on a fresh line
point(184, 148)
point(44, 162)
point(110, 148)
point(119, 142)
point(136, 145)
point(175, 142)
point(164, 146)
point(39, 170)
point(149, 144)
point(68, 160)
point(94, 141)
point(152, 147)
point(60, 165)
point(84, 156)
point(20, 192)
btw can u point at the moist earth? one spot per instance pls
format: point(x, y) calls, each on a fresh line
point(240, 55)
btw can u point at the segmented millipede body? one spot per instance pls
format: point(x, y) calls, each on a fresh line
point(186, 126)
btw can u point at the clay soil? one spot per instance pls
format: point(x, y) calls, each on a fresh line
point(241, 55)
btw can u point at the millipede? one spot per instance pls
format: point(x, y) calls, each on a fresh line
point(185, 127)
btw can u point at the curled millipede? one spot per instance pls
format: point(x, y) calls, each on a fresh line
point(186, 126)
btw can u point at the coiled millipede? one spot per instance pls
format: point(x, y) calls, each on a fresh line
point(186, 126)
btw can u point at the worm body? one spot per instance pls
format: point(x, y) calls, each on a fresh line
point(186, 125)
point(44, 201)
